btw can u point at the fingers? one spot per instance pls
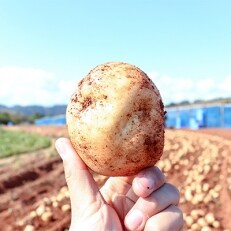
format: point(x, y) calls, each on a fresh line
point(147, 181)
point(147, 207)
point(81, 185)
point(170, 219)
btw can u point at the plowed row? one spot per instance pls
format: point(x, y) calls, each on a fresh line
point(34, 196)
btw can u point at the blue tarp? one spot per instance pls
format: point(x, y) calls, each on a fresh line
point(56, 120)
point(209, 116)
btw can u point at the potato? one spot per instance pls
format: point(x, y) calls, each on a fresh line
point(115, 120)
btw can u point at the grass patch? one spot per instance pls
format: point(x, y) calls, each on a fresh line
point(17, 142)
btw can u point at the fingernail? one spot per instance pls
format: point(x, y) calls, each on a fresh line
point(147, 181)
point(134, 219)
point(60, 148)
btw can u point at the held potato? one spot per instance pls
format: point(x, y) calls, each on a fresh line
point(115, 120)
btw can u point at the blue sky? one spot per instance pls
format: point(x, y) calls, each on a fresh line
point(47, 46)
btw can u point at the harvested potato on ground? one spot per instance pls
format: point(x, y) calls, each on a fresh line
point(115, 120)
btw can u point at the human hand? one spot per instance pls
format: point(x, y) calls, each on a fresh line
point(142, 202)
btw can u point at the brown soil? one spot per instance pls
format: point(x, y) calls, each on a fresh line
point(197, 162)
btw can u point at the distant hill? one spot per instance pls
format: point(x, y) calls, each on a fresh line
point(196, 102)
point(61, 109)
point(35, 109)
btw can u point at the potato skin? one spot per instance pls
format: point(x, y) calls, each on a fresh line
point(115, 120)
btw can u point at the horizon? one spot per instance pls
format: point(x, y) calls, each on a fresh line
point(184, 102)
point(184, 47)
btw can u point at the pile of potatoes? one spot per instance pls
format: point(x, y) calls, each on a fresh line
point(193, 162)
point(44, 210)
point(228, 178)
point(197, 160)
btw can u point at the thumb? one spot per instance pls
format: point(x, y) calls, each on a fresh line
point(84, 192)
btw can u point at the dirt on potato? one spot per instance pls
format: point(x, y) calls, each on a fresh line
point(34, 196)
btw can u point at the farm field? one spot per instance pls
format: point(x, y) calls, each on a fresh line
point(34, 196)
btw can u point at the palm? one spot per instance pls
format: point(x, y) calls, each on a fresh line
point(118, 194)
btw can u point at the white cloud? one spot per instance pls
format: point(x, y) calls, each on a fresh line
point(226, 84)
point(27, 86)
point(175, 89)
point(66, 88)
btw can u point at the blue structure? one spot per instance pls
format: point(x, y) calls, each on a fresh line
point(54, 120)
point(199, 116)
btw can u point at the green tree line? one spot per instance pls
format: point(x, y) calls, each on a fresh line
point(6, 118)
